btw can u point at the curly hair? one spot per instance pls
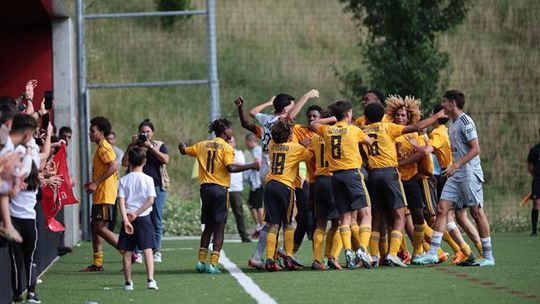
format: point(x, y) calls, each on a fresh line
point(281, 130)
point(219, 126)
point(410, 103)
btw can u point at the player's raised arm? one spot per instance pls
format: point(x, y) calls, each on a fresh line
point(244, 121)
point(424, 123)
point(261, 107)
point(298, 106)
point(314, 125)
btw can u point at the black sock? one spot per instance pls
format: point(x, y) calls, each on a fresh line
point(534, 219)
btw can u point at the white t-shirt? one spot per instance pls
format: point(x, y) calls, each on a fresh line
point(22, 206)
point(254, 175)
point(136, 188)
point(237, 179)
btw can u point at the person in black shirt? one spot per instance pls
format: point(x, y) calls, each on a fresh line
point(534, 169)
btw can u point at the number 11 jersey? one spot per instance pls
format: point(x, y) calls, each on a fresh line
point(382, 153)
point(213, 156)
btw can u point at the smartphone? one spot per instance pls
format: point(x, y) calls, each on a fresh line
point(49, 96)
point(45, 121)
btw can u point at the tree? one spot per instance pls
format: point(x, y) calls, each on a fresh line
point(402, 52)
point(167, 22)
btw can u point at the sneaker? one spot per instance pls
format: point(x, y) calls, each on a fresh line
point(458, 258)
point(157, 257)
point(31, 297)
point(427, 259)
point(271, 266)
point(297, 262)
point(256, 263)
point(92, 268)
point(213, 269)
point(486, 262)
point(201, 267)
point(152, 284)
point(375, 260)
point(246, 239)
point(470, 261)
point(533, 234)
point(350, 258)
point(289, 264)
point(128, 286)
point(334, 264)
point(393, 260)
point(18, 298)
point(415, 260)
point(443, 256)
point(325, 261)
point(363, 257)
point(279, 263)
point(281, 253)
point(316, 265)
point(137, 258)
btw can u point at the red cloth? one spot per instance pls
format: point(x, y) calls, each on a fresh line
point(54, 199)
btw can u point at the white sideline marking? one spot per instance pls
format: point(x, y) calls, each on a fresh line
point(246, 282)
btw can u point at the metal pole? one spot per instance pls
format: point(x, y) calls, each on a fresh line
point(83, 120)
point(212, 60)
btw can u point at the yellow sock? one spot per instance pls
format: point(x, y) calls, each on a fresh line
point(288, 241)
point(396, 239)
point(203, 253)
point(355, 236)
point(365, 234)
point(214, 258)
point(403, 246)
point(374, 243)
point(345, 232)
point(337, 245)
point(328, 243)
point(465, 248)
point(98, 258)
point(479, 248)
point(383, 245)
point(426, 246)
point(271, 242)
point(318, 240)
point(418, 240)
point(448, 239)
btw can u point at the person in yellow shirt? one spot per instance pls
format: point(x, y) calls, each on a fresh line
point(350, 193)
point(103, 186)
point(372, 96)
point(216, 162)
point(285, 156)
point(385, 184)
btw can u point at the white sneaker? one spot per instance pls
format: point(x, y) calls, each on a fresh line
point(128, 286)
point(152, 284)
point(157, 257)
point(138, 258)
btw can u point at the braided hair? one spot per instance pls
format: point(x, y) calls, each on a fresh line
point(219, 126)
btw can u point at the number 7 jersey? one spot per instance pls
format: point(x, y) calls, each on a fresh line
point(213, 157)
point(382, 153)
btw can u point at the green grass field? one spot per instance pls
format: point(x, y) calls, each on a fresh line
point(514, 279)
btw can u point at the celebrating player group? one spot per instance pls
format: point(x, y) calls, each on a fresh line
point(378, 178)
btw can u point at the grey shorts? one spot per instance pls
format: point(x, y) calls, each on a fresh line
point(464, 192)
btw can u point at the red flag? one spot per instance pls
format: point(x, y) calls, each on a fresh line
point(55, 198)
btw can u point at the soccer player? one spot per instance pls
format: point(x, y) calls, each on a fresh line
point(463, 189)
point(104, 186)
point(216, 162)
point(372, 96)
point(533, 165)
point(285, 156)
point(348, 185)
point(136, 194)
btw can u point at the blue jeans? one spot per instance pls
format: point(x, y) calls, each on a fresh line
point(157, 215)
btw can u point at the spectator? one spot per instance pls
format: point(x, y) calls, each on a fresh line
point(119, 152)
point(235, 193)
point(255, 198)
point(65, 134)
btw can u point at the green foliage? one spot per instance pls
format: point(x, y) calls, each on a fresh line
point(401, 51)
point(168, 22)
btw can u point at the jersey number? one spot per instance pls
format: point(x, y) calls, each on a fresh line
point(374, 148)
point(323, 163)
point(278, 163)
point(335, 145)
point(210, 159)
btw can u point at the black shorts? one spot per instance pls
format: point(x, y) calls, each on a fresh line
point(535, 191)
point(325, 206)
point(429, 196)
point(215, 202)
point(413, 194)
point(350, 192)
point(278, 203)
point(102, 212)
point(255, 198)
point(143, 236)
point(365, 172)
point(441, 180)
point(385, 189)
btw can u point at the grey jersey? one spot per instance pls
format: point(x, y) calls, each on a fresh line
point(462, 131)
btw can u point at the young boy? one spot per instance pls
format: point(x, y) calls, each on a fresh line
point(136, 195)
point(216, 162)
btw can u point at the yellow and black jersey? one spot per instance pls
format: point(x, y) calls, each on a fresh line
point(426, 161)
point(404, 151)
point(319, 149)
point(440, 141)
point(342, 140)
point(213, 156)
point(300, 133)
point(382, 153)
point(284, 160)
point(361, 121)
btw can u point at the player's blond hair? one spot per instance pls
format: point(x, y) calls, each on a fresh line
point(410, 104)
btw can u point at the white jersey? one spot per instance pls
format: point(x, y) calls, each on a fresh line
point(136, 188)
point(266, 121)
point(237, 179)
